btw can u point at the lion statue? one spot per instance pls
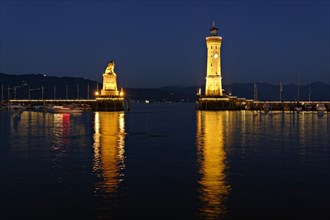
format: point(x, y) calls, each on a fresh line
point(110, 68)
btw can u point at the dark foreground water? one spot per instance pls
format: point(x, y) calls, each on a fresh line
point(164, 161)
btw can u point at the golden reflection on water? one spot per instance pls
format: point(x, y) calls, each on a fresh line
point(211, 158)
point(109, 148)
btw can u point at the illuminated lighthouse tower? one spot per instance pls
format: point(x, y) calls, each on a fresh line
point(213, 73)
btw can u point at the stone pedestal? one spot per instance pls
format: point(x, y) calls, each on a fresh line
point(109, 85)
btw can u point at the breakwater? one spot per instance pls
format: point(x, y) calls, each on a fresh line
point(234, 103)
point(99, 104)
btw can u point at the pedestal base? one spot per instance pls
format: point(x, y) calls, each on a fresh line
point(109, 103)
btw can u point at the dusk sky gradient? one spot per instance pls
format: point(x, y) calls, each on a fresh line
point(162, 43)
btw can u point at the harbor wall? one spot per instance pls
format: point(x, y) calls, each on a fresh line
point(234, 103)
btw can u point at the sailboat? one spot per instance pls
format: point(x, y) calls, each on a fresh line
point(298, 107)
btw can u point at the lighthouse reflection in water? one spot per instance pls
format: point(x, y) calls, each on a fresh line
point(211, 159)
point(109, 144)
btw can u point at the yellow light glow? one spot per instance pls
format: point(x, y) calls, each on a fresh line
point(97, 143)
point(96, 93)
point(121, 92)
point(211, 158)
point(109, 149)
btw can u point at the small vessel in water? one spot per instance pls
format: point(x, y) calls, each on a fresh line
point(321, 107)
point(298, 107)
point(66, 109)
point(308, 107)
point(39, 108)
point(17, 107)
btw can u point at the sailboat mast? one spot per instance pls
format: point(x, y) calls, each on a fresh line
point(298, 87)
point(309, 93)
point(281, 90)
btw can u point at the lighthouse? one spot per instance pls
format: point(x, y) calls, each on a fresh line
point(213, 85)
point(214, 99)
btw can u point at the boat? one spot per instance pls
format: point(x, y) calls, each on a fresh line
point(298, 107)
point(17, 107)
point(308, 107)
point(321, 107)
point(39, 108)
point(66, 109)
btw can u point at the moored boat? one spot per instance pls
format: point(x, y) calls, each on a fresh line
point(308, 107)
point(66, 109)
point(298, 107)
point(17, 107)
point(321, 107)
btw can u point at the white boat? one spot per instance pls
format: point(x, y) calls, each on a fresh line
point(66, 109)
point(17, 107)
point(298, 107)
point(321, 107)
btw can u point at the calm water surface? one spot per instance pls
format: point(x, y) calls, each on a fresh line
point(164, 161)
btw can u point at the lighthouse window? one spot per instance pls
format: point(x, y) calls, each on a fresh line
point(211, 47)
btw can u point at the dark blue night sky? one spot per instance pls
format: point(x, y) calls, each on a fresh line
point(163, 43)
